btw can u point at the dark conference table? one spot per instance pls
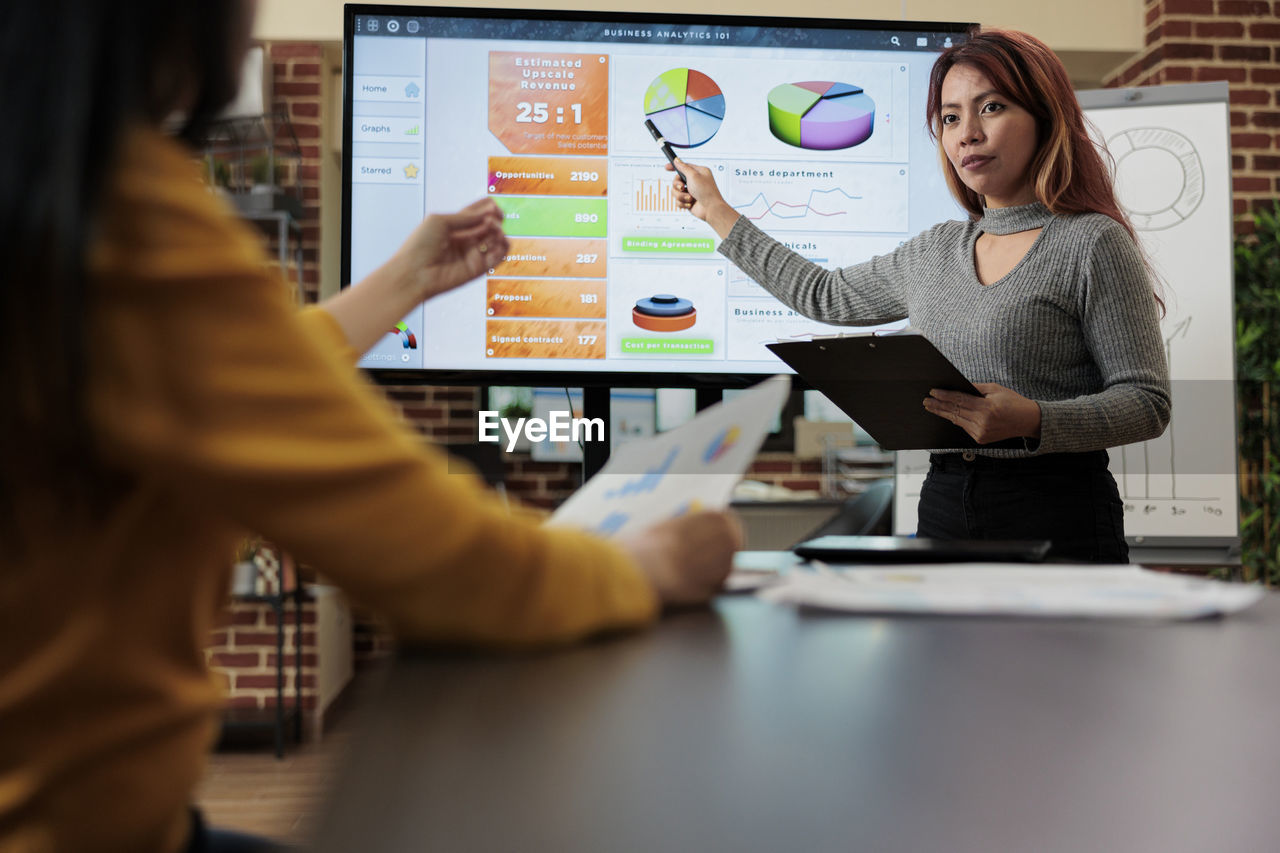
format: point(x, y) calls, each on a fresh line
point(751, 726)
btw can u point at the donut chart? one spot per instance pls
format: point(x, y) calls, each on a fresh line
point(1159, 177)
point(821, 115)
point(685, 105)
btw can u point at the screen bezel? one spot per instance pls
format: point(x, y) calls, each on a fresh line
point(638, 378)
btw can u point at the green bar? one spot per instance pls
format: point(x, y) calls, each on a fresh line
point(538, 216)
point(668, 346)
point(681, 245)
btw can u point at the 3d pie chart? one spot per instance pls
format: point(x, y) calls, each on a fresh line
point(821, 115)
point(686, 106)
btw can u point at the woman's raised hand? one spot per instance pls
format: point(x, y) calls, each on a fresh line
point(701, 197)
point(449, 249)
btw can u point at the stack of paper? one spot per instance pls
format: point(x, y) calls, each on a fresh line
point(1004, 590)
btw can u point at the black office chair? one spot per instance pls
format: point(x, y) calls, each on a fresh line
point(864, 514)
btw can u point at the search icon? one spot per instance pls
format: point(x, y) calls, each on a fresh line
point(894, 41)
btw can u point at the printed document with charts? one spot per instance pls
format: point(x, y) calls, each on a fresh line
point(692, 467)
point(1000, 589)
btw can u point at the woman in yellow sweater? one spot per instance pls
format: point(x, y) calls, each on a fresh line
point(164, 397)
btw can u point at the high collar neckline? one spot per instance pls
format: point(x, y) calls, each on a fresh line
point(1010, 220)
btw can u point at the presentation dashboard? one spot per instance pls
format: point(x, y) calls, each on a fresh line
point(817, 136)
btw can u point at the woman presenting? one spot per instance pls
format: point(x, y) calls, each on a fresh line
point(1042, 298)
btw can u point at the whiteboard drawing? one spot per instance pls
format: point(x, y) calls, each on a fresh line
point(1126, 478)
point(1159, 178)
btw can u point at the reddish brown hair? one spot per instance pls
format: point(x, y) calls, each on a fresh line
point(1067, 170)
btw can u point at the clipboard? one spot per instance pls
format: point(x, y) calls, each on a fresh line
point(881, 381)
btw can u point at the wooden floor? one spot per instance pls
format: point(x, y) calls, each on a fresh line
point(250, 790)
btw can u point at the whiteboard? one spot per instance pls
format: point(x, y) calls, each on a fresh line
point(1171, 147)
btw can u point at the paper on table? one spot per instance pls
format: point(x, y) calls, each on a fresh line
point(1003, 590)
point(753, 570)
point(694, 466)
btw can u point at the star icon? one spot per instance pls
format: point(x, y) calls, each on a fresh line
point(411, 171)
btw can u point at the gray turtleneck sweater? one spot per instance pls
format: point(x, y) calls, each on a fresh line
point(1074, 326)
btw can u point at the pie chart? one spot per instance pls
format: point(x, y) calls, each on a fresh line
point(686, 106)
point(821, 115)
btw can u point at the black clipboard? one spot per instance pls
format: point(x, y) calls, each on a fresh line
point(910, 549)
point(881, 381)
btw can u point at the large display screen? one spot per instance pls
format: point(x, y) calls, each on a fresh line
point(814, 129)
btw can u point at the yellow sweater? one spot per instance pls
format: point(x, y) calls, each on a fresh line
point(232, 411)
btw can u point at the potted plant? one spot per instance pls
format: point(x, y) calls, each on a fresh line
point(244, 571)
point(1257, 273)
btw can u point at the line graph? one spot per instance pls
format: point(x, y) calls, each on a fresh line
point(819, 196)
point(760, 206)
point(1141, 468)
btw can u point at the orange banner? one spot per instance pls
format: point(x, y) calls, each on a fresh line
point(545, 339)
point(546, 297)
point(555, 257)
point(580, 176)
point(549, 103)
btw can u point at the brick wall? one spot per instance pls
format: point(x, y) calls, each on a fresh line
point(444, 415)
point(298, 92)
point(1238, 41)
point(243, 652)
point(371, 639)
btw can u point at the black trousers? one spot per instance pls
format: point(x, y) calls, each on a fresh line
point(1070, 499)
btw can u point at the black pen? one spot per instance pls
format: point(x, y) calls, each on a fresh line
point(666, 149)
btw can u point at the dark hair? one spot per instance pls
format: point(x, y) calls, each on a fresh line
point(77, 74)
point(1068, 170)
